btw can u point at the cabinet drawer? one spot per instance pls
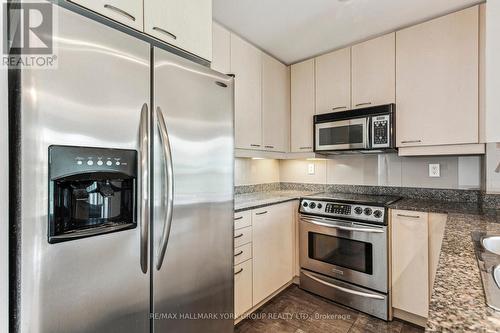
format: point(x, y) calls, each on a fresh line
point(242, 288)
point(242, 253)
point(242, 219)
point(242, 236)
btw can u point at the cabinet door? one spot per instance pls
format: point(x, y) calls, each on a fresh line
point(275, 104)
point(374, 72)
point(221, 49)
point(302, 106)
point(333, 81)
point(128, 12)
point(185, 24)
point(242, 288)
point(410, 262)
point(272, 249)
point(437, 81)
point(246, 65)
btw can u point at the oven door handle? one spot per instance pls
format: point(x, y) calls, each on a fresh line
point(349, 291)
point(328, 225)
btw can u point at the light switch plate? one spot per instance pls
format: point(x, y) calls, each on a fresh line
point(310, 169)
point(434, 170)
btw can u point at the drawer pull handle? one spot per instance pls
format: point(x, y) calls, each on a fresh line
point(254, 145)
point(163, 31)
point(119, 11)
point(339, 108)
point(261, 213)
point(271, 147)
point(238, 272)
point(239, 236)
point(410, 216)
point(238, 254)
point(238, 218)
point(411, 141)
point(360, 104)
point(306, 148)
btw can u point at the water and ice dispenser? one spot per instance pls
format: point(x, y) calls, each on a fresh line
point(92, 191)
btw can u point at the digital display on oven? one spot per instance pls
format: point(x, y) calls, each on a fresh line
point(338, 209)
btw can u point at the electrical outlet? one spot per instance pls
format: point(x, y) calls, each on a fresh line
point(310, 169)
point(434, 170)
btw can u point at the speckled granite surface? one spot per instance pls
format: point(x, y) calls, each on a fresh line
point(261, 199)
point(457, 302)
point(437, 206)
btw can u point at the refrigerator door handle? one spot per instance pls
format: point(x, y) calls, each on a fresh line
point(169, 186)
point(144, 185)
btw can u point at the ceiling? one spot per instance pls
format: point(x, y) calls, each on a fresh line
point(294, 30)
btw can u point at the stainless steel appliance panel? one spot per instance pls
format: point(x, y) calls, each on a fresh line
point(344, 233)
point(369, 301)
point(192, 258)
point(93, 99)
point(343, 135)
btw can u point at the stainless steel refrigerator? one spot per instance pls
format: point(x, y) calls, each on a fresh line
point(122, 189)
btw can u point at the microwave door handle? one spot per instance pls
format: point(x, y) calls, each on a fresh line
point(328, 225)
point(144, 185)
point(349, 291)
point(368, 133)
point(169, 187)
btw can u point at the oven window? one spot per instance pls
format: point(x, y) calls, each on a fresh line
point(342, 252)
point(349, 134)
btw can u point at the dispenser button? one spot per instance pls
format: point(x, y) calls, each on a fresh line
point(90, 162)
point(109, 163)
point(100, 163)
point(117, 163)
point(79, 162)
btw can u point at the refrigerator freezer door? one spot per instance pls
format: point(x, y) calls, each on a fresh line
point(194, 279)
point(94, 99)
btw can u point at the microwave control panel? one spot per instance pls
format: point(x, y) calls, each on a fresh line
point(381, 127)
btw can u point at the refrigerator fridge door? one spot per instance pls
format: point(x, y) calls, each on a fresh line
point(93, 99)
point(192, 259)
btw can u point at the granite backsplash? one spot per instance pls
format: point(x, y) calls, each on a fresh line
point(452, 195)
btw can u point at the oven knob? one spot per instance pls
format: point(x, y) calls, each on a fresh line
point(312, 205)
point(368, 211)
point(377, 214)
point(305, 204)
point(320, 206)
point(358, 210)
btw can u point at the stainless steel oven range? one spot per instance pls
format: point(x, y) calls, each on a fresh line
point(344, 250)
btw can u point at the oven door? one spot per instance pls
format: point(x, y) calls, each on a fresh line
point(342, 135)
point(349, 251)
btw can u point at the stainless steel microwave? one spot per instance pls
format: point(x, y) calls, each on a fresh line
point(369, 129)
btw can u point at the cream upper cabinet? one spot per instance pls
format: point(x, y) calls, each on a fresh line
point(246, 65)
point(221, 49)
point(275, 104)
point(185, 24)
point(437, 81)
point(374, 72)
point(410, 262)
point(272, 249)
point(302, 106)
point(333, 81)
point(127, 12)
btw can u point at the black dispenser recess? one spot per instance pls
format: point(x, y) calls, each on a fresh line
point(92, 191)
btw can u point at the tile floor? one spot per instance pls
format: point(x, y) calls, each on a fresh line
point(297, 311)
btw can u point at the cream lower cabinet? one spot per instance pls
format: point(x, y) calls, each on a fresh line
point(416, 245)
point(243, 263)
point(272, 249)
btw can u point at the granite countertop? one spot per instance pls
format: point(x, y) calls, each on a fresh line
point(437, 206)
point(261, 199)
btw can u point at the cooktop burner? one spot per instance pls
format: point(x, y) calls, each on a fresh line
point(357, 207)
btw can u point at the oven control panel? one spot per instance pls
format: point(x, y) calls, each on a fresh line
point(352, 211)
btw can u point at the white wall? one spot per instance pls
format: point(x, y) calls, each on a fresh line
point(492, 167)
point(386, 170)
point(4, 240)
point(250, 172)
